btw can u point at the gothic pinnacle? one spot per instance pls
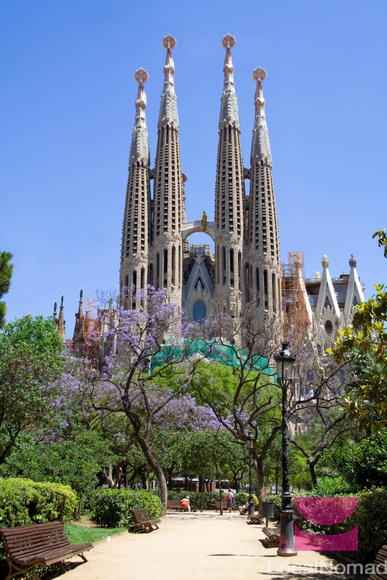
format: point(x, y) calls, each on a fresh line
point(139, 148)
point(169, 42)
point(168, 107)
point(80, 304)
point(229, 114)
point(141, 77)
point(261, 142)
point(228, 42)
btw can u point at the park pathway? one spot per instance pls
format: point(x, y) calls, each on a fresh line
point(197, 547)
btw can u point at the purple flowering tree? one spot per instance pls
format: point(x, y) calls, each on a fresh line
point(131, 384)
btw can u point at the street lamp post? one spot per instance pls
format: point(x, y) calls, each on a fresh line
point(250, 503)
point(287, 545)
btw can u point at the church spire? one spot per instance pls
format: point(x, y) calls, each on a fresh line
point(166, 263)
point(168, 107)
point(134, 251)
point(61, 320)
point(229, 192)
point(229, 113)
point(140, 148)
point(260, 142)
point(262, 263)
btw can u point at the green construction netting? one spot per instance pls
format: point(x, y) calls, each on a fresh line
point(210, 350)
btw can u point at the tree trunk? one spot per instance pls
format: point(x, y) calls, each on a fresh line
point(312, 472)
point(260, 476)
point(156, 468)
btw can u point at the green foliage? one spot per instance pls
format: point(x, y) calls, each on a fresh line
point(30, 361)
point(75, 462)
point(371, 517)
point(381, 236)
point(23, 502)
point(112, 507)
point(364, 347)
point(5, 281)
point(363, 464)
point(85, 535)
point(331, 486)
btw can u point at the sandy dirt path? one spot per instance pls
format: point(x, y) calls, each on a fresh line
point(196, 547)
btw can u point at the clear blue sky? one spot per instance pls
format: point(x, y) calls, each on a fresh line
point(67, 108)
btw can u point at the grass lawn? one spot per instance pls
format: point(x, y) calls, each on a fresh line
point(82, 535)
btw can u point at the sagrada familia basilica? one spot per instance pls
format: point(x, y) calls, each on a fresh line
point(244, 270)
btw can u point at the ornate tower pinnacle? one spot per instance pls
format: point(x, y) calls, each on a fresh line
point(134, 249)
point(229, 193)
point(61, 324)
point(262, 266)
point(168, 107)
point(261, 141)
point(229, 112)
point(167, 255)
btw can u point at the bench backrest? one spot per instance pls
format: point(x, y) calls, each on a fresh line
point(173, 503)
point(31, 541)
point(381, 560)
point(139, 516)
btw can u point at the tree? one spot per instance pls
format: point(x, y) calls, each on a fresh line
point(363, 346)
point(381, 236)
point(30, 362)
point(363, 463)
point(5, 281)
point(245, 401)
point(130, 383)
point(75, 461)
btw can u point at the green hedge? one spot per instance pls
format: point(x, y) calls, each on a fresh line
point(24, 502)
point(371, 518)
point(111, 507)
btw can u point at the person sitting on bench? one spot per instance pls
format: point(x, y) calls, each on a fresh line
point(185, 503)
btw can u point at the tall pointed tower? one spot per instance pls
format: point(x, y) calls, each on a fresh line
point(135, 233)
point(229, 195)
point(168, 204)
point(262, 263)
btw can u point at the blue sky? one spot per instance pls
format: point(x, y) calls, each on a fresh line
point(67, 108)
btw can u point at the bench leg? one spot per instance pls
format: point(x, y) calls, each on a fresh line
point(83, 557)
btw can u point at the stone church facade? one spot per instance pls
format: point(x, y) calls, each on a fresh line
point(244, 269)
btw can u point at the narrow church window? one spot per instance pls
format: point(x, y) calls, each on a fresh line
point(224, 264)
point(232, 267)
point(158, 270)
point(165, 267)
point(273, 285)
point(173, 265)
point(265, 289)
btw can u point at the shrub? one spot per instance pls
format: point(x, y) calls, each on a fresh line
point(112, 507)
point(371, 517)
point(23, 502)
point(332, 486)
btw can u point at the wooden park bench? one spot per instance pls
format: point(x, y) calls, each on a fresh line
point(272, 538)
point(38, 545)
point(174, 504)
point(142, 522)
point(254, 519)
point(381, 562)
